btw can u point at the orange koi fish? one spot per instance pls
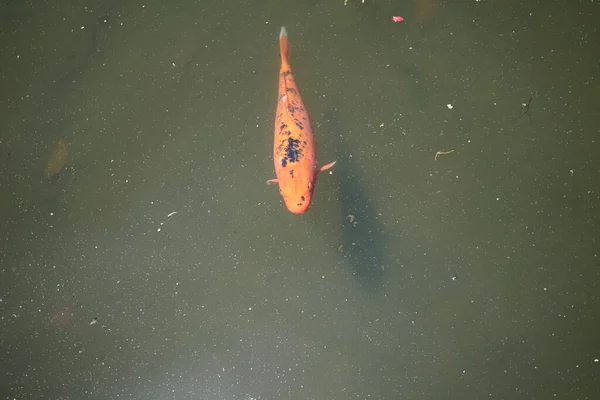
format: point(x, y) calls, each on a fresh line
point(294, 149)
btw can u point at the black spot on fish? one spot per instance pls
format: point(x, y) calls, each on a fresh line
point(283, 126)
point(286, 72)
point(292, 173)
point(292, 108)
point(302, 198)
point(293, 152)
point(291, 90)
point(299, 124)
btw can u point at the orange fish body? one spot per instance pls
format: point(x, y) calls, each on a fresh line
point(294, 150)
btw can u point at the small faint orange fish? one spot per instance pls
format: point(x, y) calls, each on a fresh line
point(58, 159)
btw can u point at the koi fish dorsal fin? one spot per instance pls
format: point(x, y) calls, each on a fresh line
point(284, 48)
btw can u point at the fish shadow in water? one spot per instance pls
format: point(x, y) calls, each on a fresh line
point(362, 238)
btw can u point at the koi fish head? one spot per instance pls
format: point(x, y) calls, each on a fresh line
point(297, 193)
point(297, 187)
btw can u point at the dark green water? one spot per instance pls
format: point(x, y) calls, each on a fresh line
point(158, 264)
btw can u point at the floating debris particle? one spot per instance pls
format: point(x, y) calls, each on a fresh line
point(352, 219)
point(441, 153)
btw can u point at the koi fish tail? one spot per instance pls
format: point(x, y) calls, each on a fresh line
point(283, 44)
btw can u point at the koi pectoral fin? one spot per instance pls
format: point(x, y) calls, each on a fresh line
point(326, 167)
point(272, 181)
